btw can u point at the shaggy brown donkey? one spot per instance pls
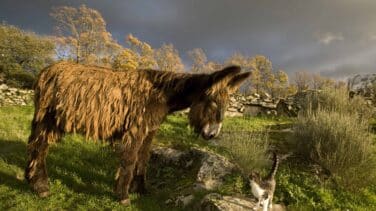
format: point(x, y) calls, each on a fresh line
point(125, 108)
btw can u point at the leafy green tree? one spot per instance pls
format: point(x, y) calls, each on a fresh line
point(23, 55)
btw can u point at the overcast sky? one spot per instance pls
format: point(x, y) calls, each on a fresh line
point(334, 37)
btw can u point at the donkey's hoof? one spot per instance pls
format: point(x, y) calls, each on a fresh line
point(125, 202)
point(44, 194)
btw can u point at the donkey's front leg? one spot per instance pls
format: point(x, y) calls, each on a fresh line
point(128, 158)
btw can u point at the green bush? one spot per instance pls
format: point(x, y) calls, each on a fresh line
point(21, 79)
point(248, 150)
point(340, 142)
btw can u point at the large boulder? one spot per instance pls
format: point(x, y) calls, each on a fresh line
point(210, 168)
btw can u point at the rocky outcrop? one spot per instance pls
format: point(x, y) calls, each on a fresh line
point(364, 85)
point(14, 96)
point(210, 168)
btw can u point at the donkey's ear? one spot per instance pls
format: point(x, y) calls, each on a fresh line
point(237, 80)
point(226, 73)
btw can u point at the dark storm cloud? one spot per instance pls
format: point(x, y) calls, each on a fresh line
point(320, 35)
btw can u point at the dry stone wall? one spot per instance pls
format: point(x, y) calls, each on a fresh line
point(13, 96)
point(257, 105)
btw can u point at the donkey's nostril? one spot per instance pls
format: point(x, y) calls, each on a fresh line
point(211, 135)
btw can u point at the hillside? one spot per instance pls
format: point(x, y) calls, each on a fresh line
point(82, 172)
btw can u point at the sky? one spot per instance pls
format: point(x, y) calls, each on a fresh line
point(336, 38)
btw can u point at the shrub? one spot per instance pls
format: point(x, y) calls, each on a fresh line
point(248, 150)
point(21, 79)
point(339, 141)
point(335, 100)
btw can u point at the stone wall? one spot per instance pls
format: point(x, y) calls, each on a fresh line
point(257, 105)
point(14, 96)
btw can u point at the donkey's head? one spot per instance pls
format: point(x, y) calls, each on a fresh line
point(208, 108)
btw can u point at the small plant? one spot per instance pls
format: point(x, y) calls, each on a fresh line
point(249, 150)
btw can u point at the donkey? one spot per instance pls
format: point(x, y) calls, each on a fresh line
point(125, 108)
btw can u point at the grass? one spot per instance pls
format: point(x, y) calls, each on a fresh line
point(82, 173)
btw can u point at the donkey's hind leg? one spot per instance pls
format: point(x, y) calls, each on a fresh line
point(42, 134)
point(139, 176)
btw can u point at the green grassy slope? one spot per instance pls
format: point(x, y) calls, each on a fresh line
point(82, 172)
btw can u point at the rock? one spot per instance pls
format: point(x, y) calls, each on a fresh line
point(268, 105)
point(213, 169)
point(210, 168)
point(13, 90)
point(14, 96)
point(363, 85)
point(183, 201)
point(217, 202)
point(266, 95)
point(256, 95)
point(168, 156)
point(3, 87)
point(233, 114)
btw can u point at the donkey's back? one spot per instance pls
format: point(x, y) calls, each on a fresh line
point(89, 99)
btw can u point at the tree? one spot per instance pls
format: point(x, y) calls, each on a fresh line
point(168, 59)
point(144, 51)
point(126, 60)
point(238, 59)
point(83, 31)
point(264, 77)
point(281, 84)
point(23, 55)
point(212, 66)
point(302, 80)
point(199, 60)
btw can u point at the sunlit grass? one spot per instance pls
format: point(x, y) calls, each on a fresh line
point(82, 172)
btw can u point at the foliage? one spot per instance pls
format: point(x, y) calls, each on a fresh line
point(336, 100)
point(168, 59)
point(21, 79)
point(263, 78)
point(82, 32)
point(302, 80)
point(23, 54)
point(248, 150)
point(85, 180)
point(305, 80)
point(199, 60)
point(145, 52)
point(333, 132)
point(126, 60)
